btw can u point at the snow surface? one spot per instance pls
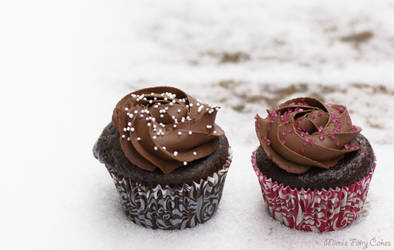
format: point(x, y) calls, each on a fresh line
point(65, 64)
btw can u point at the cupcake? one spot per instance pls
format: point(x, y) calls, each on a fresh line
point(313, 165)
point(167, 158)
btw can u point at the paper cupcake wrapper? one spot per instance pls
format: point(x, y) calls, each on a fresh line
point(166, 207)
point(313, 210)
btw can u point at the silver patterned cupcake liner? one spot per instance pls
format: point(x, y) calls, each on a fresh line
point(171, 207)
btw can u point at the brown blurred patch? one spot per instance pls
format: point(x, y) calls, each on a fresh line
point(374, 89)
point(358, 38)
point(228, 57)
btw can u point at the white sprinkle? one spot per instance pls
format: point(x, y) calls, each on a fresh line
point(185, 163)
point(128, 128)
point(135, 111)
point(124, 129)
point(209, 126)
point(174, 126)
point(128, 138)
point(194, 153)
point(123, 136)
point(166, 108)
point(190, 132)
point(154, 137)
point(129, 124)
point(141, 115)
point(131, 115)
point(164, 148)
point(138, 138)
point(198, 104)
point(148, 124)
point(155, 148)
point(161, 116)
point(175, 153)
point(132, 129)
point(126, 108)
point(179, 133)
point(150, 101)
point(179, 110)
point(214, 131)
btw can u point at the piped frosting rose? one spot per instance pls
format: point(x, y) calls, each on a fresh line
point(165, 128)
point(302, 133)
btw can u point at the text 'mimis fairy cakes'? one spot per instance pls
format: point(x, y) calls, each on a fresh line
point(314, 166)
point(167, 157)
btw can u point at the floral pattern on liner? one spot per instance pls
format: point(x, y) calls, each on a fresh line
point(165, 207)
point(313, 210)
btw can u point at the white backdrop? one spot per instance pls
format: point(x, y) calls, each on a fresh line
point(65, 64)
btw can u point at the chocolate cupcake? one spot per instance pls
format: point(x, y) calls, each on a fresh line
point(313, 165)
point(167, 158)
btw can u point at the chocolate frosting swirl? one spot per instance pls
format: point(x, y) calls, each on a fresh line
point(163, 127)
point(303, 133)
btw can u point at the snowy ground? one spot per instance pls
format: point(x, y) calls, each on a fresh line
point(65, 64)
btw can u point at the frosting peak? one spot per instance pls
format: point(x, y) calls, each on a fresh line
point(163, 127)
point(303, 133)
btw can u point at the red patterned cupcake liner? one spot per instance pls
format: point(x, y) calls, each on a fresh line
point(313, 210)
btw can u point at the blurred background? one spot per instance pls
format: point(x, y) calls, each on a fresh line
point(65, 64)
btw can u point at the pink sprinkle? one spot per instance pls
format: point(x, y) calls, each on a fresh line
point(321, 137)
point(305, 142)
point(313, 117)
point(290, 131)
point(258, 125)
point(268, 142)
point(256, 117)
point(366, 153)
point(283, 142)
point(284, 132)
point(329, 105)
point(341, 109)
point(319, 114)
point(347, 147)
point(302, 150)
point(270, 157)
point(337, 143)
point(311, 141)
point(320, 129)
